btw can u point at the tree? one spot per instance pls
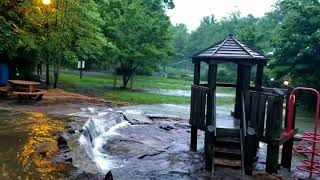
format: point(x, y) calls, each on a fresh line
point(67, 30)
point(13, 40)
point(297, 43)
point(139, 33)
point(180, 39)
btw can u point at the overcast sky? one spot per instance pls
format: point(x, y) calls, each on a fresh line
point(191, 12)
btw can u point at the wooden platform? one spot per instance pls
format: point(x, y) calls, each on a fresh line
point(227, 121)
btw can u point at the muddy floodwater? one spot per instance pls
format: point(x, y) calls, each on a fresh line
point(23, 138)
point(136, 142)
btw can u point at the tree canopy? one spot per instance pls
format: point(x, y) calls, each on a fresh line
point(139, 32)
point(132, 35)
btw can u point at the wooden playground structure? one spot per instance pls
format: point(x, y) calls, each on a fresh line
point(259, 115)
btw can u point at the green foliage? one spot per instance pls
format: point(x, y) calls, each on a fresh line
point(249, 29)
point(139, 32)
point(297, 43)
point(180, 40)
point(60, 33)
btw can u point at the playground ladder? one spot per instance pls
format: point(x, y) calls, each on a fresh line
point(312, 166)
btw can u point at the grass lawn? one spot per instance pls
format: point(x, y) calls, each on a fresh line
point(101, 80)
point(106, 80)
point(99, 83)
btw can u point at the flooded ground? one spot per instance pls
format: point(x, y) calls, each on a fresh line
point(28, 146)
point(142, 144)
point(180, 92)
point(137, 142)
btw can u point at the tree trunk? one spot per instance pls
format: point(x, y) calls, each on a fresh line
point(131, 82)
point(56, 76)
point(164, 71)
point(126, 78)
point(47, 74)
point(114, 80)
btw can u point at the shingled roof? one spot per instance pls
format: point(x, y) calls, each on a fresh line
point(230, 48)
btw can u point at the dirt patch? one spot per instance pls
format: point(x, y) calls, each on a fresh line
point(61, 96)
point(56, 101)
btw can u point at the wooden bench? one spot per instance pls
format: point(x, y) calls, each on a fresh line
point(37, 95)
point(5, 91)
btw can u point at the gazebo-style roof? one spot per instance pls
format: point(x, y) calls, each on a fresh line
point(231, 50)
point(257, 114)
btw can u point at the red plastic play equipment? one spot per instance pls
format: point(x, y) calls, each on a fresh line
point(312, 165)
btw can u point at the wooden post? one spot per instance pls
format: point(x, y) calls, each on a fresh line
point(81, 73)
point(210, 133)
point(243, 85)
point(250, 150)
point(194, 131)
point(286, 157)
point(259, 77)
point(272, 159)
point(273, 130)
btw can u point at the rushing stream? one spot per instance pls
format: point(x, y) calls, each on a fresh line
point(97, 130)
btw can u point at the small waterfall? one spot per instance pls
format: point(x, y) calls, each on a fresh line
point(102, 125)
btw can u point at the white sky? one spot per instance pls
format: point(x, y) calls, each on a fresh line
point(191, 12)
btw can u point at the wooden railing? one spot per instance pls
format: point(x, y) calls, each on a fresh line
point(265, 114)
point(198, 106)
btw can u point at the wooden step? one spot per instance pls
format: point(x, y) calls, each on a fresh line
point(227, 149)
point(232, 133)
point(227, 162)
point(230, 143)
point(224, 153)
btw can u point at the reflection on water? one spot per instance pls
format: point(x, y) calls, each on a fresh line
point(26, 145)
point(304, 121)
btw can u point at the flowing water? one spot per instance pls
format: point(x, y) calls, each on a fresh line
point(180, 92)
point(156, 150)
point(23, 139)
point(97, 130)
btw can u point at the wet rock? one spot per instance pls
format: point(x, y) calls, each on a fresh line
point(136, 118)
point(108, 176)
point(62, 143)
point(46, 149)
point(151, 154)
point(58, 133)
point(71, 131)
point(166, 127)
point(62, 158)
point(67, 157)
point(81, 175)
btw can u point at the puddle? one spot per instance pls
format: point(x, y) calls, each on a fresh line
point(179, 92)
point(171, 110)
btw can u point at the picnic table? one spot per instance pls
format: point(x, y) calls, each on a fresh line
point(26, 90)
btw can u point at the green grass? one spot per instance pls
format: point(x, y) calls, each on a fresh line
point(96, 81)
point(102, 80)
point(148, 98)
point(100, 84)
